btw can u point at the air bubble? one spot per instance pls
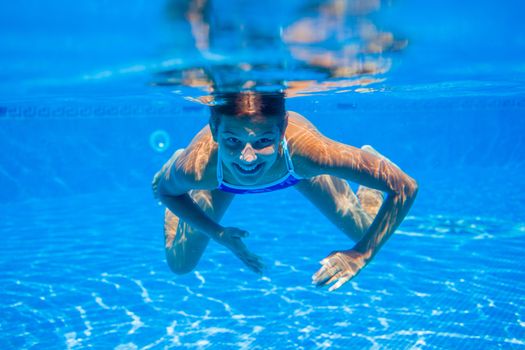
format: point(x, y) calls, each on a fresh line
point(159, 140)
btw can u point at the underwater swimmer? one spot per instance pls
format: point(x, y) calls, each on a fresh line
point(253, 145)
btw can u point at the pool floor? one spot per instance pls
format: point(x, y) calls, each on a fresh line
point(88, 271)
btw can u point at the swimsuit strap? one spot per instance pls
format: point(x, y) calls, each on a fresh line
point(288, 159)
point(219, 165)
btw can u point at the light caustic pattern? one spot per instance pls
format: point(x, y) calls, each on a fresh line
point(96, 278)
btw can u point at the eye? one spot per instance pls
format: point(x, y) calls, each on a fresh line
point(233, 140)
point(264, 142)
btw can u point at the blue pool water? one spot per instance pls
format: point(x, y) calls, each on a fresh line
point(91, 107)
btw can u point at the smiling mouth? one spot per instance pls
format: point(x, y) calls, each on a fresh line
point(248, 169)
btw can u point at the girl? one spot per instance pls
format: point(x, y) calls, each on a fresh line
point(253, 145)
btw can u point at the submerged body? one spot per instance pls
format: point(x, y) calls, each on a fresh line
point(255, 154)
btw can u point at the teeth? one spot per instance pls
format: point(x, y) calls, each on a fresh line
point(247, 167)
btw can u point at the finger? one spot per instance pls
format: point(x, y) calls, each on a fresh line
point(257, 269)
point(334, 278)
point(242, 251)
point(316, 276)
point(324, 274)
point(339, 283)
point(328, 259)
point(260, 265)
point(254, 258)
point(327, 263)
point(252, 261)
point(256, 261)
point(255, 266)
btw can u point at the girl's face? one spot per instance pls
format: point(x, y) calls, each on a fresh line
point(249, 147)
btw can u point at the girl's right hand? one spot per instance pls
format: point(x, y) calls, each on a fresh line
point(230, 237)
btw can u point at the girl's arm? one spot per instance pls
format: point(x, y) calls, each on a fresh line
point(171, 185)
point(325, 156)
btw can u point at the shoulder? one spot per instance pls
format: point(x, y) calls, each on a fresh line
point(298, 124)
point(195, 166)
point(302, 135)
point(312, 152)
point(306, 144)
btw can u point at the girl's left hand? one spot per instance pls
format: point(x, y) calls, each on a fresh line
point(339, 267)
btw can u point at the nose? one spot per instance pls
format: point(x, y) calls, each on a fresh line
point(248, 154)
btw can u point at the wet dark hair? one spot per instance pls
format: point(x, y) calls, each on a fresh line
point(252, 104)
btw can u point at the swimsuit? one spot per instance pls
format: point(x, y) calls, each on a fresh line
point(290, 179)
